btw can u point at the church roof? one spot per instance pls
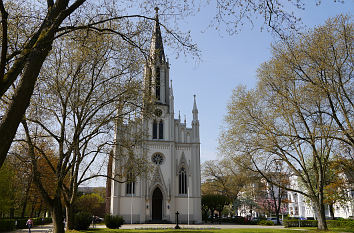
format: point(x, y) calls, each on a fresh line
point(157, 53)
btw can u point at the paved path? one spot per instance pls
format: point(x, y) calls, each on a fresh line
point(37, 229)
point(48, 228)
point(202, 226)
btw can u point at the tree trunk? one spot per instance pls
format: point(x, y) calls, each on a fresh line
point(25, 200)
point(321, 217)
point(69, 217)
point(57, 216)
point(331, 210)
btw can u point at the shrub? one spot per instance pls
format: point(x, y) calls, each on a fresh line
point(266, 222)
point(82, 221)
point(113, 222)
point(343, 223)
point(239, 220)
point(303, 223)
point(7, 224)
point(21, 223)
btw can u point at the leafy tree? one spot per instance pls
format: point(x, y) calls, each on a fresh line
point(224, 177)
point(90, 203)
point(299, 114)
point(7, 191)
point(214, 202)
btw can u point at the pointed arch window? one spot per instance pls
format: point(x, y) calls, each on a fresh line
point(157, 129)
point(182, 181)
point(161, 129)
point(130, 185)
point(158, 83)
point(154, 130)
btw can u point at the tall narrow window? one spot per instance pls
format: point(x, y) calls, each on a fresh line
point(182, 181)
point(154, 130)
point(157, 83)
point(130, 185)
point(161, 130)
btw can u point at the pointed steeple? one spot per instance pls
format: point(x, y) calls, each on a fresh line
point(195, 110)
point(157, 53)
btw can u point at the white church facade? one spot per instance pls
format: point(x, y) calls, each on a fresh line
point(172, 148)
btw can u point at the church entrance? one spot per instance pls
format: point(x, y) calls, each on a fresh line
point(157, 205)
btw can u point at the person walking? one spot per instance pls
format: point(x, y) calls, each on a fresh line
point(29, 224)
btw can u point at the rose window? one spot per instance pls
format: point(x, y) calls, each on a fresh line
point(157, 159)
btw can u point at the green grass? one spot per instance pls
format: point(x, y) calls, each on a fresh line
point(239, 230)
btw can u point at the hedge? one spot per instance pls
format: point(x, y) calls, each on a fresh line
point(113, 221)
point(82, 221)
point(266, 222)
point(347, 223)
point(303, 223)
point(7, 224)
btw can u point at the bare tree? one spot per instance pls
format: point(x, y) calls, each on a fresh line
point(75, 105)
point(29, 30)
point(289, 116)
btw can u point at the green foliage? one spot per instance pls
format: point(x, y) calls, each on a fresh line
point(214, 202)
point(89, 203)
point(301, 223)
point(343, 223)
point(82, 221)
point(113, 222)
point(7, 224)
point(7, 192)
point(266, 223)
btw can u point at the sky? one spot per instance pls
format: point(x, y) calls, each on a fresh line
point(226, 62)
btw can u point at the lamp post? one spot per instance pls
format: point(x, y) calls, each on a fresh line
point(177, 226)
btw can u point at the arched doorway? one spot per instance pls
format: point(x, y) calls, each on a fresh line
point(157, 204)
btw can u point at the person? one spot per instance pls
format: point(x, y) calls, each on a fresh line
point(29, 224)
point(93, 221)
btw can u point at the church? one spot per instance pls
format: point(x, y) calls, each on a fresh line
point(172, 148)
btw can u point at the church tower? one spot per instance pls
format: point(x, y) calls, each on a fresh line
point(172, 148)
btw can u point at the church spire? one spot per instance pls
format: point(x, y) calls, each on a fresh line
point(157, 53)
point(195, 110)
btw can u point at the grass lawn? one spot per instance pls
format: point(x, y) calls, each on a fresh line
point(250, 230)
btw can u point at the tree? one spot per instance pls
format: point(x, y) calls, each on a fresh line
point(214, 202)
point(275, 16)
point(91, 203)
point(29, 30)
point(85, 86)
point(299, 114)
point(224, 177)
point(7, 192)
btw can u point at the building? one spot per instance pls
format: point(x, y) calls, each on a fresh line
point(301, 207)
point(171, 147)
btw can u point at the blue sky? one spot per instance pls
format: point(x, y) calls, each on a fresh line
point(226, 62)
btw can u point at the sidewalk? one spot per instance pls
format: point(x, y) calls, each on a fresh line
point(36, 229)
point(49, 228)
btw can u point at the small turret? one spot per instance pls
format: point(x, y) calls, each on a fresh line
point(195, 122)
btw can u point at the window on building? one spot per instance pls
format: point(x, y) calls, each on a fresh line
point(130, 185)
point(182, 181)
point(161, 130)
point(158, 83)
point(154, 130)
point(157, 130)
